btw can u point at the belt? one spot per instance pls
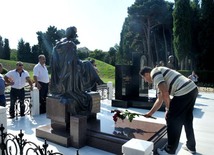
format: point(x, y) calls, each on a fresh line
point(17, 88)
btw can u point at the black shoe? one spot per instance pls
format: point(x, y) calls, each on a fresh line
point(22, 115)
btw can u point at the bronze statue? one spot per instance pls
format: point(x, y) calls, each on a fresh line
point(170, 63)
point(72, 78)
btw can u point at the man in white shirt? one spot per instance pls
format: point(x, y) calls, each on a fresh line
point(17, 79)
point(41, 78)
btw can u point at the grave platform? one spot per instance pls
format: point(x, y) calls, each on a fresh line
point(110, 136)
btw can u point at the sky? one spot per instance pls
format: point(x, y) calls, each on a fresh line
point(98, 22)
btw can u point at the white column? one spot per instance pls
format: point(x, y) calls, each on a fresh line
point(35, 101)
point(110, 90)
point(3, 120)
point(138, 147)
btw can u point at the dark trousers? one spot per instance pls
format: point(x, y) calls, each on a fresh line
point(16, 94)
point(2, 100)
point(181, 113)
point(43, 92)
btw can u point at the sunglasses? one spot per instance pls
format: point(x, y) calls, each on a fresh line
point(20, 65)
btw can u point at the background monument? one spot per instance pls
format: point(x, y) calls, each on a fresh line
point(130, 88)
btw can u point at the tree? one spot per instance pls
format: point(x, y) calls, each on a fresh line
point(112, 56)
point(24, 52)
point(6, 49)
point(195, 30)
point(97, 54)
point(147, 30)
point(21, 50)
point(1, 47)
point(47, 41)
point(206, 35)
point(182, 31)
point(125, 49)
point(83, 52)
point(13, 54)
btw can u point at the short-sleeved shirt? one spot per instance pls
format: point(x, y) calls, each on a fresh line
point(2, 85)
point(178, 84)
point(19, 79)
point(41, 73)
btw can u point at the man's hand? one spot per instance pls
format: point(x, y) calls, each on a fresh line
point(147, 115)
point(38, 85)
point(31, 88)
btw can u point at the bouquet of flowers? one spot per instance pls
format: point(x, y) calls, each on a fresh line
point(126, 114)
point(123, 114)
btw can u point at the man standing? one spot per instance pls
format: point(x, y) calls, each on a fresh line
point(179, 109)
point(41, 78)
point(17, 79)
point(2, 88)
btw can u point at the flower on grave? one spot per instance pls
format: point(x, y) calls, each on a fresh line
point(123, 114)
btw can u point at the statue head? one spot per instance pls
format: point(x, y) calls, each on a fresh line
point(171, 58)
point(71, 32)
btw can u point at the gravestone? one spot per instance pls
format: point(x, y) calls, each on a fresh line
point(130, 88)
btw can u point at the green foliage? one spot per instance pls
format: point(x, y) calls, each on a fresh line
point(6, 50)
point(146, 30)
point(10, 65)
point(13, 55)
point(181, 29)
point(24, 53)
point(206, 35)
point(106, 71)
point(83, 53)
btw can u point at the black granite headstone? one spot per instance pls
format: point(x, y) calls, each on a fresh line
point(129, 86)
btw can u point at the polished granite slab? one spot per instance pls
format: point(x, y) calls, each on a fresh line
point(105, 133)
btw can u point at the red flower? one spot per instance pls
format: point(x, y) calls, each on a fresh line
point(123, 115)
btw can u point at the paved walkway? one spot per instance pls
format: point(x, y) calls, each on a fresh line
point(203, 124)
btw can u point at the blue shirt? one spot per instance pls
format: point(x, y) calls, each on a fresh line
point(2, 84)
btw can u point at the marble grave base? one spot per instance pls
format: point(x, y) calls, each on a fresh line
point(98, 132)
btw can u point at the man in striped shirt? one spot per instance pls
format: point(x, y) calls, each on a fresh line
point(179, 108)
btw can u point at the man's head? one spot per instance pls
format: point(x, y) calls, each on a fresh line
point(19, 66)
point(42, 59)
point(145, 74)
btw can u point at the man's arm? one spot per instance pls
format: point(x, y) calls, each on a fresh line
point(8, 81)
point(162, 96)
point(156, 106)
point(30, 82)
point(163, 88)
point(36, 82)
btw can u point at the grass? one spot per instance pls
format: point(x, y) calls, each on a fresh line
point(106, 71)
